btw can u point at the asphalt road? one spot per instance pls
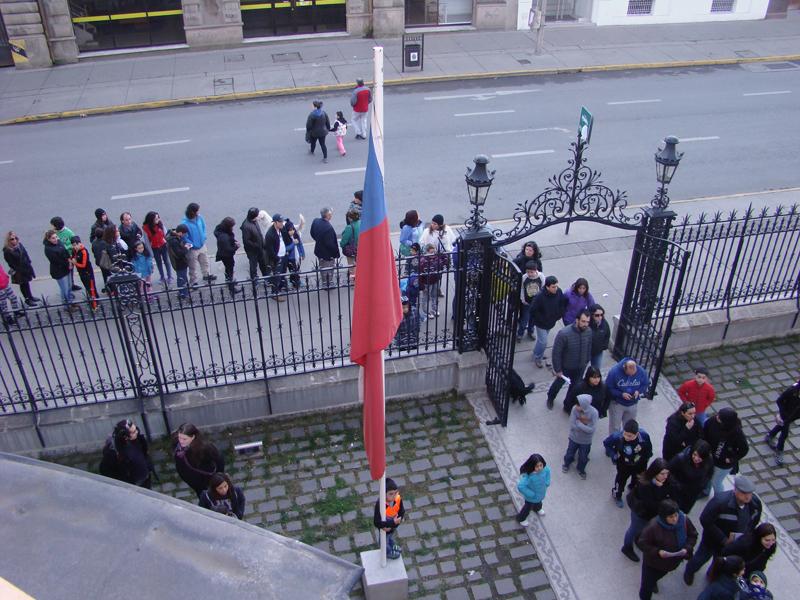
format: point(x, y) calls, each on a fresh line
point(739, 127)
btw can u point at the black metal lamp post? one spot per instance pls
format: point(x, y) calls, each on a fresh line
point(479, 180)
point(667, 161)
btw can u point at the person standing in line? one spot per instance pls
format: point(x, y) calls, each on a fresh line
point(196, 236)
point(627, 382)
point(223, 497)
point(60, 267)
point(196, 460)
point(317, 127)
point(699, 392)
point(264, 222)
point(666, 541)
point(532, 484)
point(179, 249)
point(682, 431)
point(349, 242)
point(7, 296)
point(226, 250)
point(571, 353)
point(530, 251)
point(360, 100)
point(156, 235)
point(547, 308)
point(101, 222)
point(629, 450)
point(253, 241)
point(438, 234)
point(411, 230)
point(788, 412)
point(755, 549)
point(355, 205)
point(601, 334)
point(275, 243)
point(80, 258)
point(143, 266)
point(407, 337)
point(326, 249)
point(65, 234)
point(725, 579)
point(593, 385)
point(578, 300)
point(725, 518)
point(20, 267)
point(295, 251)
point(431, 265)
point(125, 456)
point(728, 444)
point(692, 470)
point(130, 231)
point(339, 130)
point(532, 284)
point(582, 425)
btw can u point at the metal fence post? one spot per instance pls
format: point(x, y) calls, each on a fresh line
point(28, 389)
point(474, 256)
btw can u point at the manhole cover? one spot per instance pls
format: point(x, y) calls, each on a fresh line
point(523, 61)
point(230, 58)
point(286, 57)
point(780, 66)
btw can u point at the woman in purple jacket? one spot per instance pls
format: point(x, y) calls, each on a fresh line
point(578, 298)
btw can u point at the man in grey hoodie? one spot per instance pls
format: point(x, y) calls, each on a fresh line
point(582, 424)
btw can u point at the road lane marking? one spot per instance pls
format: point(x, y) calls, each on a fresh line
point(150, 193)
point(482, 133)
point(299, 129)
point(6, 162)
point(480, 96)
point(338, 171)
point(488, 112)
point(526, 153)
point(775, 93)
point(699, 139)
point(620, 102)
point(138, 146)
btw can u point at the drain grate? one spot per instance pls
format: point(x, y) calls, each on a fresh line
point(523, 61)
point(231, 58)
point(781, 66)
point(287, 57)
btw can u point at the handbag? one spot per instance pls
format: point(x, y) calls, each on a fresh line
point(105, 260)
point(350, 249)
point(15, 276)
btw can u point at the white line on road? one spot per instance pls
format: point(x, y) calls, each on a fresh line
point(480, 96)
point(299, 129)
point(482, 133)
point(157, 144)
point(338, 171)
point(488, 112)
point(526, 153)
point(150, 193)
point(633, 102)
point(6, 162)
point(700, 139)
point(768, 93)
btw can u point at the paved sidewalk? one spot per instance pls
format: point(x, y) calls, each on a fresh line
point(154, 79)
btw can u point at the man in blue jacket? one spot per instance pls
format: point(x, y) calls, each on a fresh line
point(326, 248)
point(197, 238)
point(627, 382)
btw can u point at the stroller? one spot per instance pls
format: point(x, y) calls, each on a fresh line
point(517, 388)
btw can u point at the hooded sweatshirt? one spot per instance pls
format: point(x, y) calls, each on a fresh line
point(619, 383)
point(533, 486)
point(580, 432)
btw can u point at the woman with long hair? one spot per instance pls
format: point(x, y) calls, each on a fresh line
point(411, 229)
point(125, 455)
point(21, 268)
point(725, 579)
point(157, 236)
point(223, 497)
point(530, 251)
point(593, 385)
point(682, 430)
point(60, 267)
point(226, 250)
point(756, 548)
point(692, 469)
point(196, 460)
point(724, 434)
point(532, 484)
point(578, 300)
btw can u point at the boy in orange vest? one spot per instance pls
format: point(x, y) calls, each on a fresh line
point(394, 516)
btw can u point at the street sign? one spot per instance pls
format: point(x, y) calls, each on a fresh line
point(585, 124)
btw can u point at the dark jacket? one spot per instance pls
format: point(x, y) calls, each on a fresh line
point(227, 506)
point(178, 252)
point(572, 349)
point(252, 240)
point(195, 470)
point(521, 260)
point(226, 243)
point(722, 516)
point(18, 260)
point(376, 516)
point(430, 269)
point(317, 123)
point(630, 454)
point(724, 588)
point(644, 498)
point(97, 225)
point(547, 308)
point(407, 336)
point(324, 236)
point(692, 479)
point(59, 259)
point(131, 463)
point(755, 556)
point(727, 448)
point(272, 244)
point(599, 394)
point(130, 235)
point(601, 336)
point(788, 402)
point(656, 537)
point(677, 436)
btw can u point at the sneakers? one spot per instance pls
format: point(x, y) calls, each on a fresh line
point(393, 551)
point(540, 512)
point(538, 362)
point(531, 335)
point(688, 578)
point(565, 468)
point(582, 475)
point(619, 502)
point(770, 441)
point(778, 458)
point(629, 553)
point(549, 403)
point(524, 523)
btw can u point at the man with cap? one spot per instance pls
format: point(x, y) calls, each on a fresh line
point(725, 518)
point(699, 392)
point(360, 100)
point(100, 223)
point(724, 434)
point(275, 243)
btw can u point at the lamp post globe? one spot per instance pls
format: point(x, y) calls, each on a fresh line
point(479, 181)
point(667, 161)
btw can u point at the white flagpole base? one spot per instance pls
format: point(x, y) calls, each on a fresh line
point(383, 583)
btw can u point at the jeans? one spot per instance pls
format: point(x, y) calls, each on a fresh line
point(574, 377)
point(623, 473)
point(650, 577)
point(784, 433)
point(717, 481)
point(228, 263)
point(700, 557)
point(65, 287)
point(429, 301)
point(618, 415)
point(162, 262)
point(634, 530)
point(277, 280)
point(597, 360)
point(583, 455)
point(701, 418)
point(183, 282)
point(541, 343)
point(322, 145)
point(524, 319)
point(526, 510)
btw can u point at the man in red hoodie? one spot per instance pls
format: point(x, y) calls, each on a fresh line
point(698, 391)
point(360, 100)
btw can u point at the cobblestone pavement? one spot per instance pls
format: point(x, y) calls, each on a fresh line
point(460, 540)
point(749, 378)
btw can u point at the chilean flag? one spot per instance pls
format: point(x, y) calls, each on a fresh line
point(377, 311)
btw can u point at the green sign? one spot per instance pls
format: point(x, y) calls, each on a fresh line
point(585, 125)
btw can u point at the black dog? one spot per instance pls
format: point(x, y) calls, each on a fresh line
point(517, 388)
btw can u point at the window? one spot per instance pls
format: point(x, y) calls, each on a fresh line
point(640, 7)
point(722, 6)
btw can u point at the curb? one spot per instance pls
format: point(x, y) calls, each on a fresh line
point(137, 106)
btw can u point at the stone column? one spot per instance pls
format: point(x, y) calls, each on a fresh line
point(491, 14)
point(388, 18)
point(60, 34)
point(359, 21)
point(24, 28)
point(212, 22)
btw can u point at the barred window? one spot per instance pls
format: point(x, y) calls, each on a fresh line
point(722, 6)
point(640, 7)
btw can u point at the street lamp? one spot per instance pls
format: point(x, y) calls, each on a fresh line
point(479, 180)
point(667, 161)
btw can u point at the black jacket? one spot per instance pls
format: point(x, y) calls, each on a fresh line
point(677, 436)
point(547, 308)
point(131, 463)
point(132, 234)
point(59, 259)
point(644, 498)
point(19, 260)
point(754, 554)
point(601, 335)
point(376, 516)
point(226, 243)
point(272, 244)
point(324, 236)
point(572, 349)
point(252, 240)
point(721, 517)
point(726, 448)
point(788, 403)
point(195, 470)
point(318, 124)
point(178, 252)
point(691, 479)
point(599, 394)
point(97, 225)
point(228, 506)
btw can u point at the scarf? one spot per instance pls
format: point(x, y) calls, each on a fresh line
point(679, 528)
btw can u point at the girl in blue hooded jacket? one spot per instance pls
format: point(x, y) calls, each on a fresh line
point(533, 483)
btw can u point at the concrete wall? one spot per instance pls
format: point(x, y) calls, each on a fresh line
point(60, 34)
point(614, 12)
point(490, 14)
point(212, 22)
point(388, 18)
point(86, 427)
point(24, 24)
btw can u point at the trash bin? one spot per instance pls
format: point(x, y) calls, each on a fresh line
point(413, 51)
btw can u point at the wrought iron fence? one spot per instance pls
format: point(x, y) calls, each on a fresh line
point(143, 343)
point(738, 260)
